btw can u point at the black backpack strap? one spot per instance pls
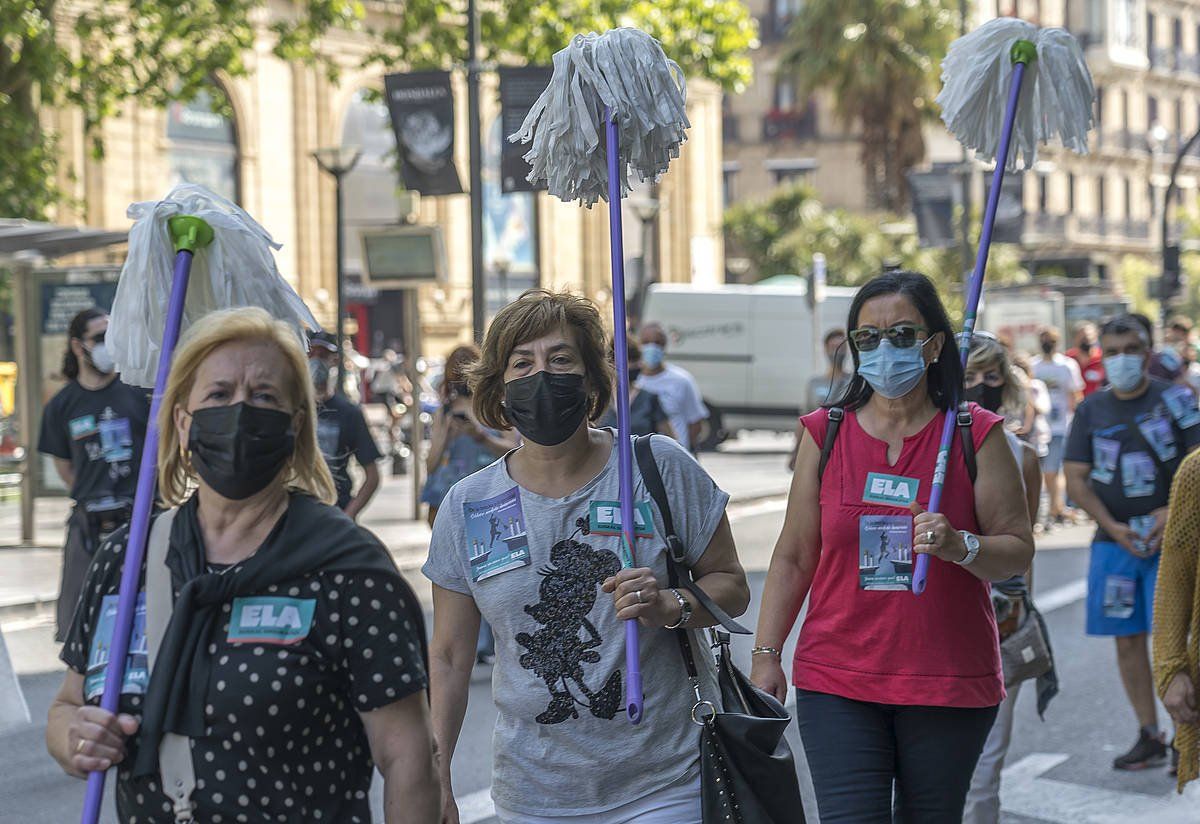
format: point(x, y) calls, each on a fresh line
point(676, 552)
point(968, 440)
point(833, 423)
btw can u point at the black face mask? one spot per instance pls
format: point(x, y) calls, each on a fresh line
point(1047, 347)
point(546, 407)
point(635, 372)
point(989, 397)
point(239, 449)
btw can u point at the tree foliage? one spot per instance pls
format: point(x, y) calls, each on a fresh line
point(880, 60)
point(155, 51)
point(781, 234)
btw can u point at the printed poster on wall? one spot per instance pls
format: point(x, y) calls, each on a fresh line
point(421, 105)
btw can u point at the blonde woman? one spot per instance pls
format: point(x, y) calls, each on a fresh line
point(293, 655)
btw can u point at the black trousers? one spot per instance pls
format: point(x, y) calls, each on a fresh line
point(857, 751)
point(76, 559)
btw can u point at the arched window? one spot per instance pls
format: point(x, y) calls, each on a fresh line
point(202, 144)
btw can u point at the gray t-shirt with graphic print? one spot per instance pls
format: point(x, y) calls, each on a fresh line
point(563, 743)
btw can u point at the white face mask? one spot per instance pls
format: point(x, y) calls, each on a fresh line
point(101, 360)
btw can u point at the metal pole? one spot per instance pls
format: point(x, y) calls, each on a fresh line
point(412, 346)
point(1163, 297)
point(478, 282)
point(341, 287)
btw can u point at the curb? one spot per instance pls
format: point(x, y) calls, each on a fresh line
point(408, 557)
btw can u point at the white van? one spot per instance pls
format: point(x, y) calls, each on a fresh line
point(752, 349)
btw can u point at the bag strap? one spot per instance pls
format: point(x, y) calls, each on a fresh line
point(968, 440)
point(175, 765)
point(833, 419)
point(676, 552)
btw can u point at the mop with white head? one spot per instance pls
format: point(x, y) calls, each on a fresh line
point(623, 71)
point(236, 269)
point(1056, 101)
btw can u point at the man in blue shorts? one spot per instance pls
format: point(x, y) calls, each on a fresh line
point(1125, 444)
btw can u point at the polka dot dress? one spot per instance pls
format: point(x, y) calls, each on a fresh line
point(283, 741)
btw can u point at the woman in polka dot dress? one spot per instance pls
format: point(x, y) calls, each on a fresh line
point(531, 544)
point(293, 659)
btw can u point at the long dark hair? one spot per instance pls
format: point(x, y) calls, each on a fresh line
point(945, 378)
point(77, 329)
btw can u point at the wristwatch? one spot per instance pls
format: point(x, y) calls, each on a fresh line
point(972, 543)
point(685, 610)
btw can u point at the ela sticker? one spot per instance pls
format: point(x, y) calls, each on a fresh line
point(83, 427)
point(604, 518)
point(885, 554)
point(137, 673)
point(890, 490)
point(496, 534)
point(271, 620)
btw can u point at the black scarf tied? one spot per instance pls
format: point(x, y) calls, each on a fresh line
point(310, 538)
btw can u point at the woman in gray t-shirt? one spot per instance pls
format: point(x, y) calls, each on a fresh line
point(532, 545)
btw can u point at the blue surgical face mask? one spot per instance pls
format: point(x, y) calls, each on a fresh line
point(653, 354)
point(1125, 372)
point(892, 371)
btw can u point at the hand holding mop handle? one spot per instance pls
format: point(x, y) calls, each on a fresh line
point(1023, 53)
point(189, 234)
point(633, 666)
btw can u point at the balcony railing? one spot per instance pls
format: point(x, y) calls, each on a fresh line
point(1123, 140)
point(1046, 226)
point(1189, 63)
point(1162, 59)
point(790, 125)
point(1097, 226)
point(1131, 229)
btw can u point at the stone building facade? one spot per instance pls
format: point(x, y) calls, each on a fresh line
point(262, 157)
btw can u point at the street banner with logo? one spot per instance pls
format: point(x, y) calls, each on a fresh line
point(520, 87)
point(421, 105)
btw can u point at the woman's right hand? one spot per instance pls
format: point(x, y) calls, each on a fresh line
point(766, 673)
point(96, 739)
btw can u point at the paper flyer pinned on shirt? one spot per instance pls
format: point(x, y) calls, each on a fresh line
point(496, 536)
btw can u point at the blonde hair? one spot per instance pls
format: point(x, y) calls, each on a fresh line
point(535, 314)
point(987, 351)
point(307, 471)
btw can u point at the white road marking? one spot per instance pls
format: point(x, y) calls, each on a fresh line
point(476, 806)
point(1023, 791)
point(1060, 597)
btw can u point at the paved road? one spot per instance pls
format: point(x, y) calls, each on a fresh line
point(1059, 769)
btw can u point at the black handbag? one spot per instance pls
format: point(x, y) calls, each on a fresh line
point(747, 771)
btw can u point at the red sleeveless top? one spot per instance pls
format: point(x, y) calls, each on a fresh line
point(939, 648)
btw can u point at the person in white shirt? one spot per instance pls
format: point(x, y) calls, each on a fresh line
point(1065, 382)
point(676, 388)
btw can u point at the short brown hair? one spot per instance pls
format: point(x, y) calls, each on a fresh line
point(537, 313)
point(458, 363)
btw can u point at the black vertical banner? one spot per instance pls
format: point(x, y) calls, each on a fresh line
point(520, 87)
point(421, 105)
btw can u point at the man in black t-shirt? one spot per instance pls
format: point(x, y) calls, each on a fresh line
point(1125, 445)
point(94, 429)
point(342, 430)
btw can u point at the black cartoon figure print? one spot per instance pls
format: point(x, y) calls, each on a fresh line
point(567, 639)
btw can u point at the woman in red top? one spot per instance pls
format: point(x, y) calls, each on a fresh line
point(892, 688)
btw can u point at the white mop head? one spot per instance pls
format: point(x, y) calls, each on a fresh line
point(236, 269)
point(625, 70)
point(1056, 98)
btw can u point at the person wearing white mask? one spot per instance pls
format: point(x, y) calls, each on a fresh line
point(93, 429)
point(1124, 448)
point(676, 388)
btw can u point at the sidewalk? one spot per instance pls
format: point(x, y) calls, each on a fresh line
point(749, 469)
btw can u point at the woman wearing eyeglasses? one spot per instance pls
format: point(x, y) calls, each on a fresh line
point(894, 688)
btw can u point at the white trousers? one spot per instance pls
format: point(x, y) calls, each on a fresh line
point(983, 799)
point(677, 804)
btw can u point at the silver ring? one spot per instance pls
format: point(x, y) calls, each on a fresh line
point(929, 537)
point(638, 593)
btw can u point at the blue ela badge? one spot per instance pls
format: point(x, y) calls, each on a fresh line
point(496, 534)
point(137, 673)
point(604, 518)
point(83, 427)
point(890, 490)
point(270, 620)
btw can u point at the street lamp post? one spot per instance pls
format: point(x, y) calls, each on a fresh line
point(475, 138)
point(1169, 282)
point(502, 265)
point(338, 161)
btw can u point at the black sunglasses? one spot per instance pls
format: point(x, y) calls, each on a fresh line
point(902, 336)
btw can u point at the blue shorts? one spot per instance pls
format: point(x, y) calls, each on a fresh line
point(1052, 461)
point(1120, 596)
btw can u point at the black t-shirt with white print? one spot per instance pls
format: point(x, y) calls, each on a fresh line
point(292, 668)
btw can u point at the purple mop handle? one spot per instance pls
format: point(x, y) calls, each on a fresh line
point(974, 292)
point(139, 527)
point(633, 667)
